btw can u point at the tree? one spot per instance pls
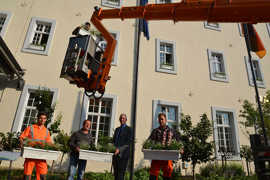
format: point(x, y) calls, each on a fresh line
point(62, 138)
point(246, 153)
point(196, 147)
point(251, 115)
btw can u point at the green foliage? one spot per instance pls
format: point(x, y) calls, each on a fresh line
point(174, 145)
point(251, 114)
point(196, 147)
point(46, 146)
point(54, 127)
point(9, 141)
point(62, 139)
point(99, 176)
point(231, 171)
point(104, 145)
point(246, 153)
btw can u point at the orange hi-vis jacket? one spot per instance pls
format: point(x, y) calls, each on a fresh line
point(36, 133)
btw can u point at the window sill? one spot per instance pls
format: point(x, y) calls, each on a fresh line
point(167, 67)
point(36, 47)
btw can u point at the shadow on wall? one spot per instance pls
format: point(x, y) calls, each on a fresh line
point(5, 82)
point(77, 114)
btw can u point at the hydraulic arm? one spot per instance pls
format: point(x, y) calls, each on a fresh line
point(230, 11)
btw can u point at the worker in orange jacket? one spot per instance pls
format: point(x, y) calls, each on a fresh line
point(37, 133)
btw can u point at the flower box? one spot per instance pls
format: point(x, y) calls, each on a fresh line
point(167, 66)
point(34, 153)
point(161, 154)
point(95, 156)
point(37, 47)
point(9, 156)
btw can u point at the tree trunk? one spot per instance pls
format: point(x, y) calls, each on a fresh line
point(247, 167)
point(52, 167)
point(193, 171)
point(61, 161)
point(9, 170)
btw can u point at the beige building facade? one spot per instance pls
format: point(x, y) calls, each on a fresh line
point(187, 67)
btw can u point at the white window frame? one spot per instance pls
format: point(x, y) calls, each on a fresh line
point(5, 26)
point(31, 31)
point(156, 103)
point(158, 66)
point(84, 113)
point(107, 3)
point(234, 128)
point(240, 30)
point(208, 25)
point(17, 124)
point(260, 84)
point(115, 57)
point(214, 75)
point(268, 28)
point(160, 1)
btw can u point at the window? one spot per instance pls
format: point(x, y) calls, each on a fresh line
point(112, 3)
point(257, 70)
point(163, 1)
point(165, 57)
point(217, 66)
point(103, 44)
point(4, 19)
point(39, 36)
point(26, 111)
point(101, 113)
point(171, 109)
point(213, 26)
point(268, 28)
point(225, 133)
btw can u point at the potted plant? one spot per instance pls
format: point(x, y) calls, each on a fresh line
point(8, 143)
point(40, 47)
point(168, 66)
point(103, 151)
point(37, 150)
point(157, 151)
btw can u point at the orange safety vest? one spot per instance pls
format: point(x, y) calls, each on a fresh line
point(37, 134)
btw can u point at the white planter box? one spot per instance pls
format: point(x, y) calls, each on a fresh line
point(36, 47)
point(9, 156)
point(34, 153)
point(161, 154)
point(95, 156)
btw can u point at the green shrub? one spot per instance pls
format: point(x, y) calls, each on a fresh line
point(174, 145)
point(230, 171)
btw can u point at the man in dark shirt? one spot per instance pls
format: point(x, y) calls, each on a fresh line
point(81, 137)
point(164, 135)
point(122, 141)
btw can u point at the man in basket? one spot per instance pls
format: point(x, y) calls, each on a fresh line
point(164, 135)
point(37, 134)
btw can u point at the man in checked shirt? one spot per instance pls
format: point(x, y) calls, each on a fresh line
point(164, 135)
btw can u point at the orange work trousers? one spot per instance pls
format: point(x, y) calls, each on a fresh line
point(166, 166)
point(41, 167)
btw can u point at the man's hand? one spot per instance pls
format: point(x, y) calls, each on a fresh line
point(77, 149)
point(116, 151)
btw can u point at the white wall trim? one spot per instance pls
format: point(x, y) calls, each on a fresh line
point(158, 68)
point(113, 112)
point(17, 124)
point(5, 26)
point(29, 36)
point(155, 113)
point(214, 109)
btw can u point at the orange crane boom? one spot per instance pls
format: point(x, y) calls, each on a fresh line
point(230, 11)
